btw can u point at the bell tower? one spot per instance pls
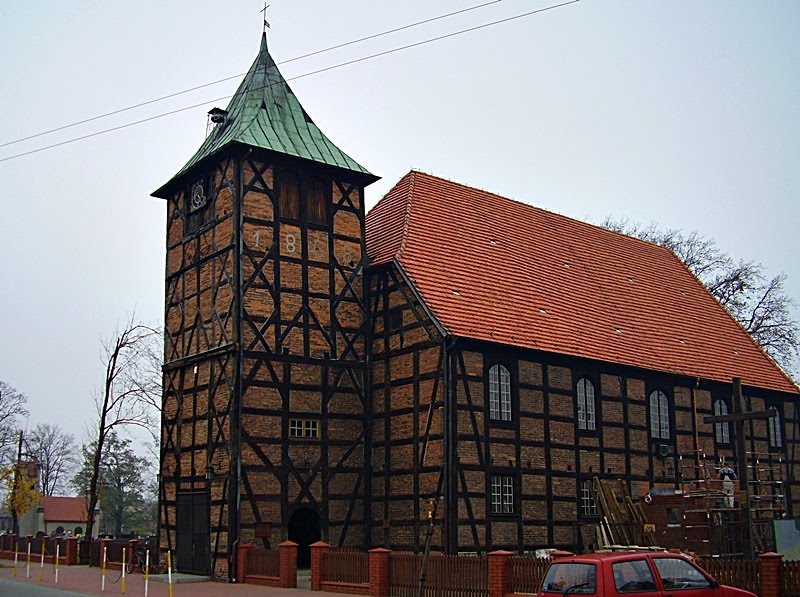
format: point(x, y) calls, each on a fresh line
point(264, 429)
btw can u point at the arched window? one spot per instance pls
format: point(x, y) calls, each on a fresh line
point(499, 393)
point(587, 419)
point(659, 415)
point(722, 431)
point(775, 433)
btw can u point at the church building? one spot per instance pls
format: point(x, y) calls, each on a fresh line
point(330, 374)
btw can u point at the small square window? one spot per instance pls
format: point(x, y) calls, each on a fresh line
point(502, 495)
point(304, 428)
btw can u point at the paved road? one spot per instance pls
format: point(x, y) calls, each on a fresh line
point(11, 588)
point(83, 580)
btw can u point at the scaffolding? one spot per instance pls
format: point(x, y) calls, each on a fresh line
point(713, 519)
point(767, 497)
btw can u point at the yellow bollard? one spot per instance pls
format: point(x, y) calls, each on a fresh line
point(169, 573)
point(58, 554)
point(103, 575)
point(41, 563)
point(146, 571)
point(16, 558)
point(28, 562)
point(124, 565)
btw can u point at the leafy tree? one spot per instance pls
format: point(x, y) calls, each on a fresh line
point(20, 491)
point(12, 407)
point(123, 492)
point(53, 450)
point(131, 395)
point(759, 303)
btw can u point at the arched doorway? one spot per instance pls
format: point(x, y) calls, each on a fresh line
point(304, 529)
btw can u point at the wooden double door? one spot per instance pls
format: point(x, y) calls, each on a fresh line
point(193, 540)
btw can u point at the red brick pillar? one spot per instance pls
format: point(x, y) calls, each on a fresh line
point(318, 551)
point(498, 573)
point(288, 556)
point(14, 542)
point(771, 569)
point(379, 572)
point(71, 551)
point(242, 554)
point(132, 544)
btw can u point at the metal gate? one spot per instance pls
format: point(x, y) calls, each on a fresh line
point(193, 533)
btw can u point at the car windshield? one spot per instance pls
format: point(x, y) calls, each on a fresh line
point(570, 578)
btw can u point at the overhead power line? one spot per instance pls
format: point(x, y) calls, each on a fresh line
point(308, 74)
point(237, 76)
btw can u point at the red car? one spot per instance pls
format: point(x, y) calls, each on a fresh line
point(647, 573)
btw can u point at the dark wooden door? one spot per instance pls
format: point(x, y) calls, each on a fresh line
point(193, 533)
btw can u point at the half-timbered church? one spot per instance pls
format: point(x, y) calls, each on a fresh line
point(328, 373)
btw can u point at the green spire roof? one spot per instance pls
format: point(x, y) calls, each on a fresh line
point(265, 113)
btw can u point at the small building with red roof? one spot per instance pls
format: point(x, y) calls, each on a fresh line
point(55, 516)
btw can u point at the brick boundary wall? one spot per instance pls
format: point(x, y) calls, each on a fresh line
point(770, 570)
point(287, 578)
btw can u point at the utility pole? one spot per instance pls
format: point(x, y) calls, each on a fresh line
point(738, 418)
point(15, 487)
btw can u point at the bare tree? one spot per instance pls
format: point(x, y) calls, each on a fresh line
point(54, 452)
point(759, 303)
point(130, 396)
point(12, 407)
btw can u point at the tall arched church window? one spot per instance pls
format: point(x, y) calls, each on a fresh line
point(587, 417)
point(499, 393)
point(722, 431)
point(775, 432)
point(659, 415)
point(289, 194)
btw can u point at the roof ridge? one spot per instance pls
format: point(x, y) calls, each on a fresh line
point(407, 214)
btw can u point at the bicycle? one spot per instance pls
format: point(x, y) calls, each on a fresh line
point(138, 560)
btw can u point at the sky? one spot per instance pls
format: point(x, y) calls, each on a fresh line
point(681, 113)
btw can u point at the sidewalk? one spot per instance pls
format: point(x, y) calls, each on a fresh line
point(86, 580)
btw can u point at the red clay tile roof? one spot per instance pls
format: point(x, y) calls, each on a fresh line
point(494, 269)
point(63, 509)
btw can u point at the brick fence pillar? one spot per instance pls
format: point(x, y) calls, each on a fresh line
point(379, 572)
point(71, 551)
point(15, 542)
point(318, 551)
point(498, 573)
point(242, 555)
point(132, 545)
point(771, 571)
point(288, 551)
